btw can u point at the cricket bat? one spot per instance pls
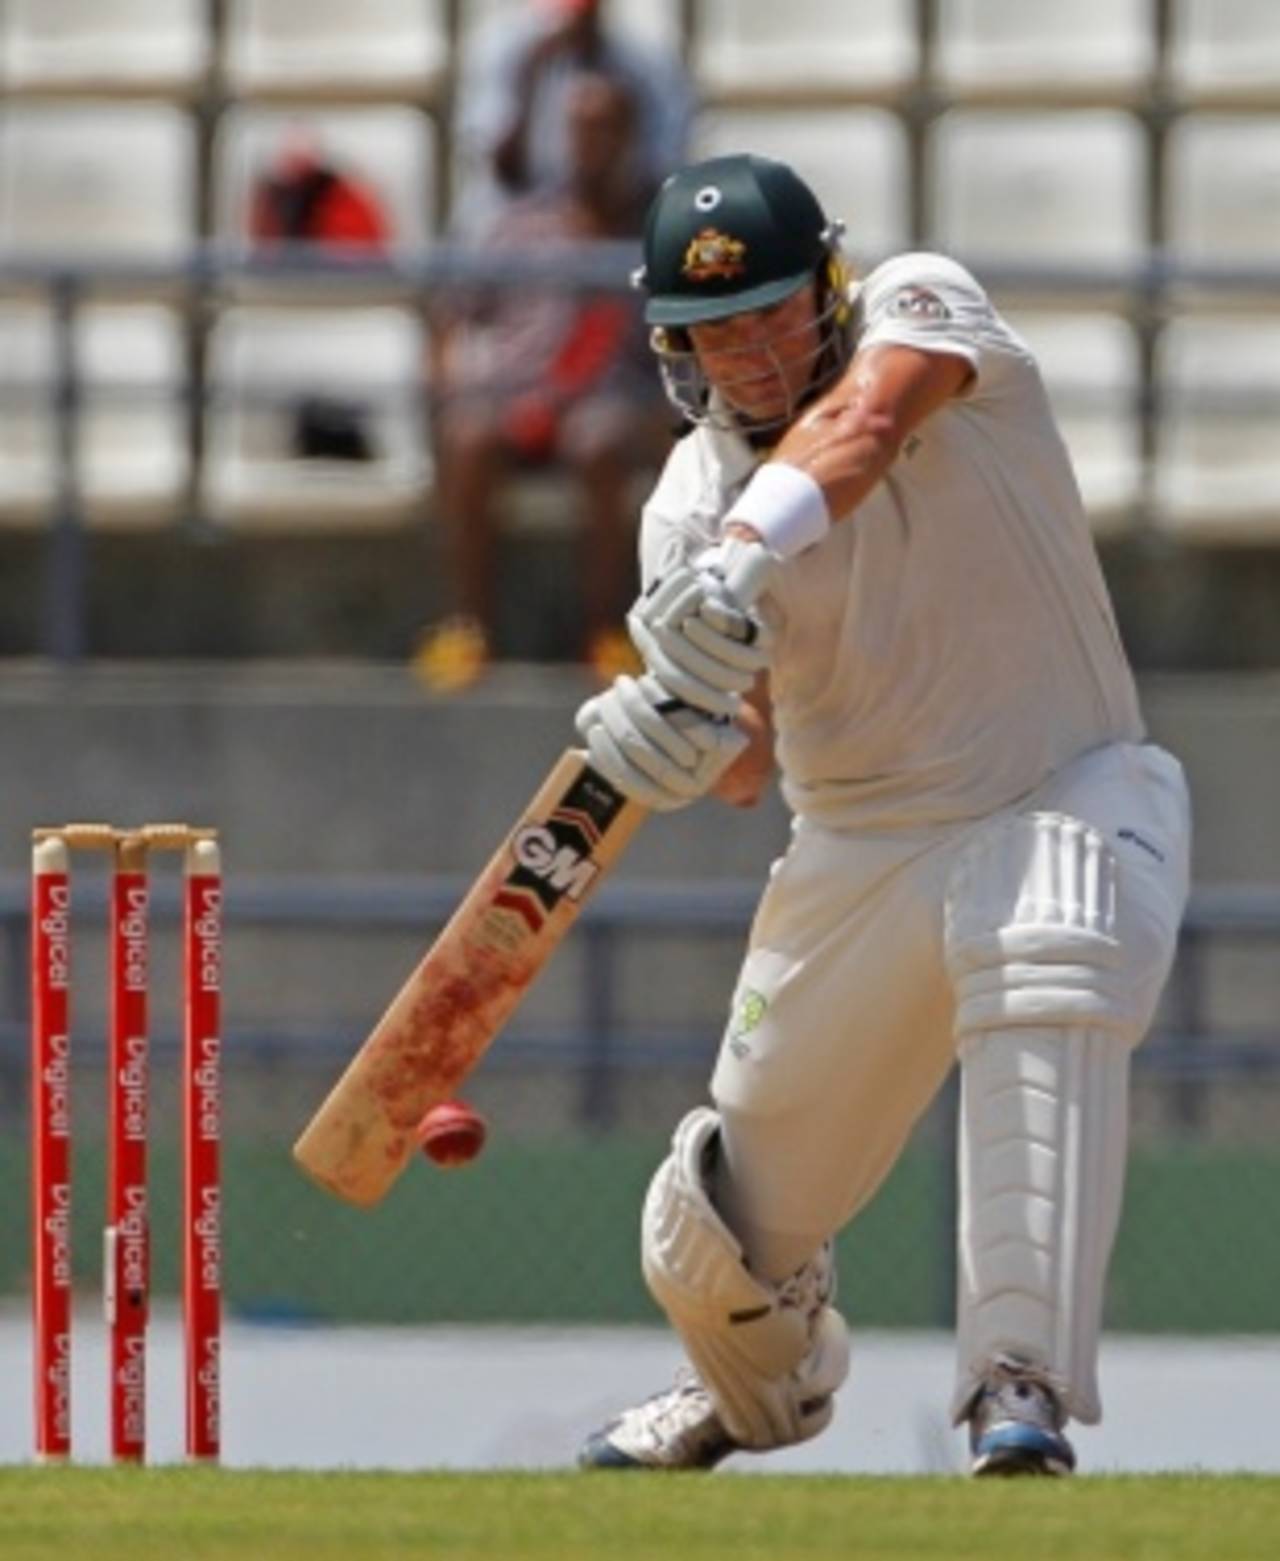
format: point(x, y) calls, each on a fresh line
point(470, 981)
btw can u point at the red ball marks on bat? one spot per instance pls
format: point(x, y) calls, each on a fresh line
point(452, 1134)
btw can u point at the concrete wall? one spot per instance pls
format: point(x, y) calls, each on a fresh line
point(317, 769)
point(310, 768)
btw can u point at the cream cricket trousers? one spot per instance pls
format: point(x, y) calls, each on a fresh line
point(842, 1024)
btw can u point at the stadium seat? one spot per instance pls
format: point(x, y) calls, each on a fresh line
point(131, 434)
point(27, 445)
point(89, 46)
point(315, 48)
point(1091, 369)
point(1217, 475)
point(134, 441)
point(855, 159)
point(112, 181)
point(1102, 50)
point(369, 363)
point(1222, 189)
point(1065, 189)
point(767, 50)
point(1224, 51)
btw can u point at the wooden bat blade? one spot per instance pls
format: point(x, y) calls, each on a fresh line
point(470, 981)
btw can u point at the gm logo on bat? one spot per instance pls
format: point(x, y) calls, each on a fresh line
point(565, 870)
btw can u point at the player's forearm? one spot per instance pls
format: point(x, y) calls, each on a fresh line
point(819, 475)
point(743, 783)
point(842, 447)
point(846, 450)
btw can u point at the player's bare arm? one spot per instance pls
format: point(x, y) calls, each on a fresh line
point(851, 437)
point(826, 464)
point(834, 454)
point(743, 783)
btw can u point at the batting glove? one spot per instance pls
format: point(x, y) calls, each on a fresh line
point(695, 629)
point(653, 747)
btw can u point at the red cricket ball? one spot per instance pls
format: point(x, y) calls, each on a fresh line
point(452, 1134)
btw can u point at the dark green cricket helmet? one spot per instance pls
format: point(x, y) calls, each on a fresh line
point(729, 234)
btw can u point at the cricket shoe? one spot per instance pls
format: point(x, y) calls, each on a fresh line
point(1015, 1425)
point(675, 1429)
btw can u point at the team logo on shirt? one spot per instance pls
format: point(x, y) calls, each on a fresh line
point(712, 254)
point(751, 1010)
point(919, 304)
point(748, 1015)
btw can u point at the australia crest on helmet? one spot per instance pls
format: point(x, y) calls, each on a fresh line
point(713, 255)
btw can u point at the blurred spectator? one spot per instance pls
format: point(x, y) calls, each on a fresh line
point(527, 376)
point(304, 199)
point(511, 119)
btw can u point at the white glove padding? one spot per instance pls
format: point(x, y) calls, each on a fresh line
point(695, 630)
point(654, 748)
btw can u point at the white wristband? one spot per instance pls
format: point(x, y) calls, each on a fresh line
point(786, 506)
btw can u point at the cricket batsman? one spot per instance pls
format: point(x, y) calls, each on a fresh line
point(988, 862)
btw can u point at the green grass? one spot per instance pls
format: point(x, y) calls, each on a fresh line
point(126, 1515)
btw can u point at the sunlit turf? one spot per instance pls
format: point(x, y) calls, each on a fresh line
point(175, 1513)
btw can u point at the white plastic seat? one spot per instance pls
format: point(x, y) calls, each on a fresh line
point(1217, 473)
point(769, 49)
point(1072, 48)
point(28, 452)
point(104, 45)
point(382, 48)
point(1063, 188)
point(1222, 189)
point(1225, 50)
point(131, 437)
point(115, 181)
point(135, 458)
point(1090, 365)
point(390, 149)
point(262, 363)
point(855, 160)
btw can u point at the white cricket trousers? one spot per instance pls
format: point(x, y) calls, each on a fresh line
point(841, 1028)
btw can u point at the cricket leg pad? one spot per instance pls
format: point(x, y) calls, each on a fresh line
point(1045, 1026)
point(770, 1355)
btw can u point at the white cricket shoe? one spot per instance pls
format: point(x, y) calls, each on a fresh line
point(676, 1429)
point(681, 1429)
point(1015, 1424)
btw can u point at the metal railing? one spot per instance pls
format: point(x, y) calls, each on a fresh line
point(1186, 1051)
point(211, 273)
